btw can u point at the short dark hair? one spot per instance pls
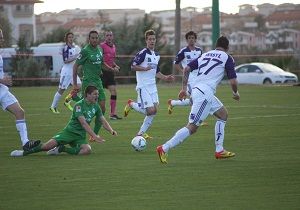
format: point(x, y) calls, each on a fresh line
point(149, 33)
point(89, 89)
point(93, 32)
point(66, 36)
point(190, 33)
point(222, 42)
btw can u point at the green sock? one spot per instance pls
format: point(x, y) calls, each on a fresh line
point(33, 150)
point(71, 150)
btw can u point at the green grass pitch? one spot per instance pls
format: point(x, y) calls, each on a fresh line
point(263, 129)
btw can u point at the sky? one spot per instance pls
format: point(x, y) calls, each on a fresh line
point(227, 6)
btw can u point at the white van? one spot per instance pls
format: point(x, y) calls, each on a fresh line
point(51, 53)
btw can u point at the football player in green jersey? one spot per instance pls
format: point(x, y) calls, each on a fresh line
point(91, 61)
point(75, 131)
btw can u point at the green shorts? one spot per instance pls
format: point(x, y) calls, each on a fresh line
point(97, 84)
point(67, 137)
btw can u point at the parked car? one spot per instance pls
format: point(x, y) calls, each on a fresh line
point(263, 73)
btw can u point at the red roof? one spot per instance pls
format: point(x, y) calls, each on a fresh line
point(291, 15)
point(86, 22)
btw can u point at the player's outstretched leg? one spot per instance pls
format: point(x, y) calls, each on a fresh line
point(128, 107)
point(170, 107)
point(161, 154)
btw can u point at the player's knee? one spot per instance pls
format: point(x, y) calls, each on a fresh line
point(85, 149)
point(151, 111)
point(19, 113)
point(192, 128)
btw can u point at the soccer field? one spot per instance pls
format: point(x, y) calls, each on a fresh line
point(263, 130)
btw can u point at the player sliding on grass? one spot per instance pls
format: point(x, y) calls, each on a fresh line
point(146, 66)
point(211, 67)
point(74, 133)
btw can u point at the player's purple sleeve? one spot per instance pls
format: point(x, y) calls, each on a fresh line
point(229, 67)
point(157, 69)
point(65, 53)
point(139, 58)
point(193, 64)
point(179, 57)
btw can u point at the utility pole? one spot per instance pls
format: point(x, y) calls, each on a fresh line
point(215, 22)
point(177, 28)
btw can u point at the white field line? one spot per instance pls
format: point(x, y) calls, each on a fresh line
point(167, 120)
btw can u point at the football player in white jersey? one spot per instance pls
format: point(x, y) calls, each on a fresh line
point(183, 57)
point(70, 53)
point(211, 68)
point(146, 66)
point(9, 102)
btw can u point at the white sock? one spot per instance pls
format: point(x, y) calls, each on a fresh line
point(185, 102)
point(56, 98)
point(137, 108)
point(178, 138)
point(219, 135)
point(146, 124)
point(22, 129)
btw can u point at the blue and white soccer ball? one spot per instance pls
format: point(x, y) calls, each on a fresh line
point(139, 143)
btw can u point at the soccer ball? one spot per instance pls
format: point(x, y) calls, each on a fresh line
point(139, 143)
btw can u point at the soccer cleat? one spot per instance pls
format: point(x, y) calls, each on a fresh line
point(170, 107)
point(31, 144)
point(115, 117)
point(147, 137)
point(53, 151)
point(161, 154)
point(204, 124)
point(224, 154)
point(56, 150)
point(54, 110)
point(17, 153)
point(68, 105)
point(127, 107)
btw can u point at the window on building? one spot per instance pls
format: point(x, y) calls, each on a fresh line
point(18, 7)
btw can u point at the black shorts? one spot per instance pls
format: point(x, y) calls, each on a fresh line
point(108, 79)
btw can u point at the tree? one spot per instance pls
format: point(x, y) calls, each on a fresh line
point(56, 35)
point(6, 29)
point(130, 39)
point(25, 65)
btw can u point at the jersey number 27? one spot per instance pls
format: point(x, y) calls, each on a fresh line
point(206, 66)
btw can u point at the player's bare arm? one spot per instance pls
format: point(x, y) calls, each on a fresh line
point(235, 93)
point(6, 81)
point(89, 130)
point(185, 77)
point(169, 77)
point(107, 126)
point(140, 68)
point(178, 67)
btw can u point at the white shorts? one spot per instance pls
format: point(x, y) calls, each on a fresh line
point(6, 98)
point(66, 80)
point(146, 98)
point(204, 103)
